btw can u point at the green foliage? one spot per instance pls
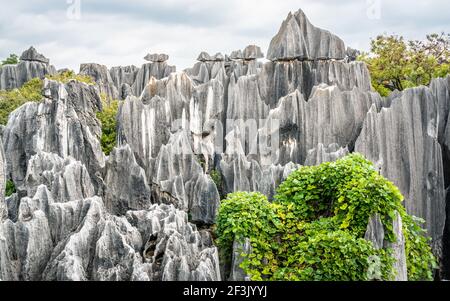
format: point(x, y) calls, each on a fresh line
point(11, 60)
point(108, 119)
point(314, 230)
point(66, 76)
point(332, 255)
point(10, 188)
point(396, 64)
point(11, 100)
point(247, 215)
point(216, 176)
point(314, 190)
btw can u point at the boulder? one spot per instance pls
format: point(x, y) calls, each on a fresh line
point(32, 55)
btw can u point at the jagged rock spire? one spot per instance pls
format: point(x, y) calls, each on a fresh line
point(299, 39)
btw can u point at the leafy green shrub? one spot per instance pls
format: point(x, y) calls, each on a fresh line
point(314, 230)
point(396, 64)
point(11, 100)
point(11, 60)
point(66, 76)
point(10, 188)
point(313, 190)
point(108, 119)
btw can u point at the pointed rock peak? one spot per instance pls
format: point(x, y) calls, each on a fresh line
point(33, 56)
point(156, 57)
point(252, 52)
point(204, 57)
point(299, 39)
point(236, 55)
point(219, 57)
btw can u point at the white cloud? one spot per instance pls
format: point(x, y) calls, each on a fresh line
point(121, 32)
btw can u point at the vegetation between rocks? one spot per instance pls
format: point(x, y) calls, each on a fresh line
point(108, 119)
point(314, 230)
point(397, 64)
point(11, 100)
point(10, 188)
point(68, 75)
point(32, 91)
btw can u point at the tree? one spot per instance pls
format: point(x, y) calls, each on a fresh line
point(396, 64)
point(11, 60)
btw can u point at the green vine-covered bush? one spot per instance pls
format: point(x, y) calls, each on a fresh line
point(314, 230)
point(108, 119)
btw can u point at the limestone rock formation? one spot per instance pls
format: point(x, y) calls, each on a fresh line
point(31, 65)
point(157, 70)
point(402, 141)
point(124, 78)
point(156, 58)
point(175, 249)
point(102, 77)
point(3, 207)
point(279, 79)
point(251, 52)
point(239, 248)
point(65, 179)
point(375, 233)
point(33, 56)
point(178, 172)
point(64, 123)
point(126, 185)
point(321, 154)
point(208, 68)
point(299, 39)
point(186, 139)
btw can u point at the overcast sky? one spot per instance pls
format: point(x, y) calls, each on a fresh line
point(119, 32)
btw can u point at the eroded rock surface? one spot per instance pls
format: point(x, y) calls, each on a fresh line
point(299, 39)
point(402, 141)
point(31, 65)
point(186, 139)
